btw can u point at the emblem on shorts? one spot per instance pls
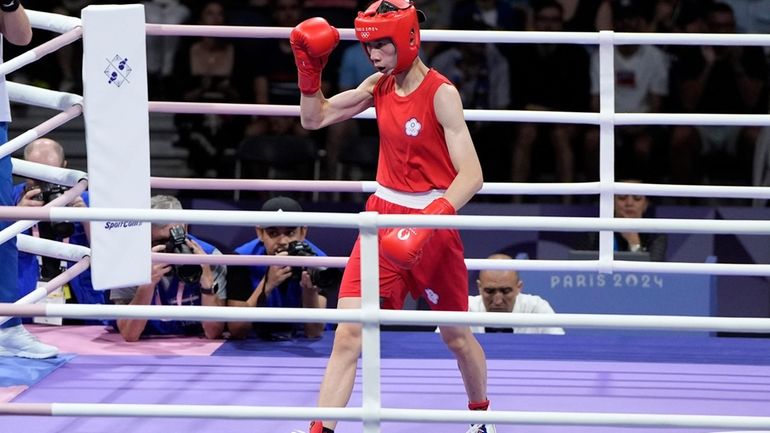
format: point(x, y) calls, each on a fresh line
point(412, 127)
point(431, 296)
point(117, 71)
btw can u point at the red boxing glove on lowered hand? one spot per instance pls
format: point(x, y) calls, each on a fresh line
point(403, 246)
point(311, 42)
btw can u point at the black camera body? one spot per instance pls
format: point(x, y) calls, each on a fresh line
point(321, 277)
point(190, 274)
point(48, 193)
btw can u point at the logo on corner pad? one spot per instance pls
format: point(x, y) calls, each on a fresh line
point(412, 127)
point(117, 70)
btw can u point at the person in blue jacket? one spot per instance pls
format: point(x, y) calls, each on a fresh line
point(34, 193)
point(280, 286)
point(175, 284)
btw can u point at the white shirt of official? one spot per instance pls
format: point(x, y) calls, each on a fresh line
point(525, 304)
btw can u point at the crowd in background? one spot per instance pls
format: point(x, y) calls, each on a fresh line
point(686, 79)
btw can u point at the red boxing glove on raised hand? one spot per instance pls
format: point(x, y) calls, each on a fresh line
point(403, 246)
point(312, 41)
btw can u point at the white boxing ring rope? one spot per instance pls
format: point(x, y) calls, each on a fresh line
point(468, 222)
point(371, 319)
point(370, 315)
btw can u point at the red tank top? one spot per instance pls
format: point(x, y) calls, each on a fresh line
point(413, 152)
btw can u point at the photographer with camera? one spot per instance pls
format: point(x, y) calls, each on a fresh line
point(280, 286)
point(175, 284)
point(34, 269)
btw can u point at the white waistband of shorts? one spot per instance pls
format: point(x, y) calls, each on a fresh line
point(414, 200)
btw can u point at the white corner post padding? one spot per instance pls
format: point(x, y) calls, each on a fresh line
point(117, 140)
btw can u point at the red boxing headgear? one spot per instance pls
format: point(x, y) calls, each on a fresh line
point(394, 19)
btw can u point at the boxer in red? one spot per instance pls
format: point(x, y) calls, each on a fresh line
point(427, 165)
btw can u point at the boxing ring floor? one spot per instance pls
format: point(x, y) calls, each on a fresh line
point(583, 372)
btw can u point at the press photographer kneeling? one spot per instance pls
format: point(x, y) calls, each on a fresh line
point(39, 193)
point(175, 284)
point(36, 270)
point(280, 286)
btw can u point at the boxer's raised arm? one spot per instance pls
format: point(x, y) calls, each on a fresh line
point(317, 112)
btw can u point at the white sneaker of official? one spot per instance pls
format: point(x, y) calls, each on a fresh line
point(17, 341)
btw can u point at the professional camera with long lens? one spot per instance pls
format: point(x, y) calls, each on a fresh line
point(176, 244)
point(321, 277)
point(48, 193)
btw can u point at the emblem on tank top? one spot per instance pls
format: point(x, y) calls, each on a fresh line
point(412, 127)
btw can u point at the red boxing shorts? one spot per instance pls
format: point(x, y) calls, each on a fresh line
point(440, 276)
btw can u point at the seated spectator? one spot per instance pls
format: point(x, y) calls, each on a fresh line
point(438, 16)
point(280, 286)
point(751, 16)
point(557, 80)
point(495, 14)
point(204, 71)
point(34, 193)
point(481, 74)
point(161, 50)
point(641, 86)
point(500, 292)
point(275, 81)
point(343, 137)
point(634, 206)
point(717, 79)
point(175, 284)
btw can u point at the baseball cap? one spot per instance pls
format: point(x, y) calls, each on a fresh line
point(281, 204)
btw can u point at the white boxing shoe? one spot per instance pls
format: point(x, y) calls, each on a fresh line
point(17, 341)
